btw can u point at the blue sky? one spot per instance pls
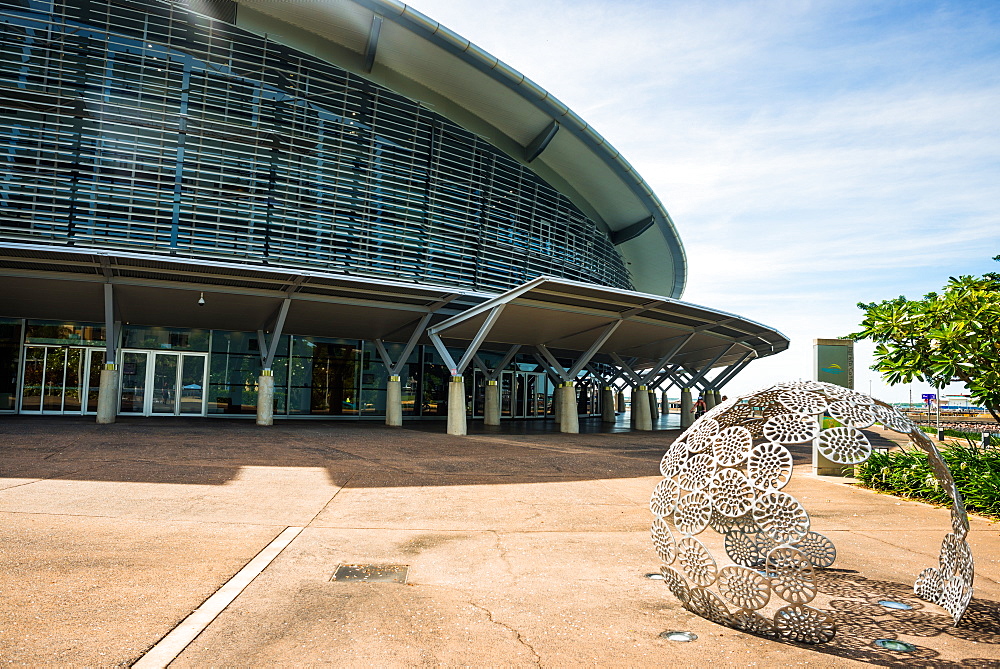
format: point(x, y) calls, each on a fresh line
point(812, 154)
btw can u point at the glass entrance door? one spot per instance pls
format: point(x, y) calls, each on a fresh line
point(57, 379)
point(159, 383)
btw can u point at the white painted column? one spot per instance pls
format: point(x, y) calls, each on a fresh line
point(640, 409)
point(608, 405)
point(394, 402)
point(491, 412)
point(265, 397)
point(456, 406)
point(569, 416)
point(687, 417)
point(107, 395)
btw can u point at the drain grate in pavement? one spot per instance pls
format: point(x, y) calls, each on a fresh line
point(371, 573)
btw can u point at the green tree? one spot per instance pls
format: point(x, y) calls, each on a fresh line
point(949, 336)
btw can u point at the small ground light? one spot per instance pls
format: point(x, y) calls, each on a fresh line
point(678, 635)
point(655, 576)
point(896, 645)
point(889, 604)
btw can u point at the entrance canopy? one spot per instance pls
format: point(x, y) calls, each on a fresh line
point(567, 318)
point(564, 318)
point(60, 284)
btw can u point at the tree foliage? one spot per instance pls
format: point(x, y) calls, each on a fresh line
point(949, 336)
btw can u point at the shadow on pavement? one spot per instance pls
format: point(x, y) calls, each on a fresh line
point(861, 620)
point(205, 451)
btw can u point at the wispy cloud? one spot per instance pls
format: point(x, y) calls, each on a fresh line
point(813, 154)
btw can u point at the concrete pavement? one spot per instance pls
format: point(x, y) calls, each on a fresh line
point(522, 549)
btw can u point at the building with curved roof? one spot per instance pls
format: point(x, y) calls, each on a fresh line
point(342, 206)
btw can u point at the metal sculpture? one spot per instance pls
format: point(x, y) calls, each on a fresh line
point(726, 473)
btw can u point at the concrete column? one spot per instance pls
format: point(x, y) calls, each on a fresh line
point(687, 416)
point(107, 395)
point(265, 398)
point(456, 406)
point(718, 397)
point(569, 416)
point(654, 408)
point(557, 403)
point(607, 405)
point(491, 412)
point(620, 401)
point(640, 409)
point(664, 403)
point(709, 396)
point(394, 402)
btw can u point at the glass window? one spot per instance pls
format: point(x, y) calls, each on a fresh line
point(178, 339)
point(10, 347)
point(71, 334)
point(234, 369)
point(324, 377)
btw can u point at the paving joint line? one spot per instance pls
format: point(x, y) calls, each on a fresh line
point(173, 644)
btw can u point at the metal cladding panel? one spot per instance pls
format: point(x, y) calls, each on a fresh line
point(345, 23)
point(461, 82)
point(650, 262)
point(612, 198)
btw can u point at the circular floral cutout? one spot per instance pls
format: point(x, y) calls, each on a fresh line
point(732, 446)
point(851, 414)
point(748, 549)
point(891, 419)
point(844, 445)
point(731, 493)
point(804, 624)
point(929, 585)
point(803, 401)
point(707, 604)
point(791, 428)
point(955, 597)
point(673, 580)
point(697, 472)
point(664, 499)
point(663, 541)
point(781, 517)
point(820, 550)
point(697, 563)
point(673, 459)
point(752, 622)
point(744, 588)
point(720, 523)
point(769, 466)
point(791, 575)
point(694, 510)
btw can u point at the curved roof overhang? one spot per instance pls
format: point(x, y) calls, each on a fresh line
point(66, 283)
point(569, 317)
point(400, 48)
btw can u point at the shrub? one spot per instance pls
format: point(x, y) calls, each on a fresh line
point(908, 473)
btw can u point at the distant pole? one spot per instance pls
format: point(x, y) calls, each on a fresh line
point(937, 410)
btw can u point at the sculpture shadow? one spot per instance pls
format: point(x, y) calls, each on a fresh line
point(861, 620)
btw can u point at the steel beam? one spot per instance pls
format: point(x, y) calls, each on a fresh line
point(372, 46)
point(592, 351)
point(538, 144)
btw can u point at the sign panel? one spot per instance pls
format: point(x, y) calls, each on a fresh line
point(927, 397)
point(834, 360)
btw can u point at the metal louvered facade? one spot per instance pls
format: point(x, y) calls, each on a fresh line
point(142, 125)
